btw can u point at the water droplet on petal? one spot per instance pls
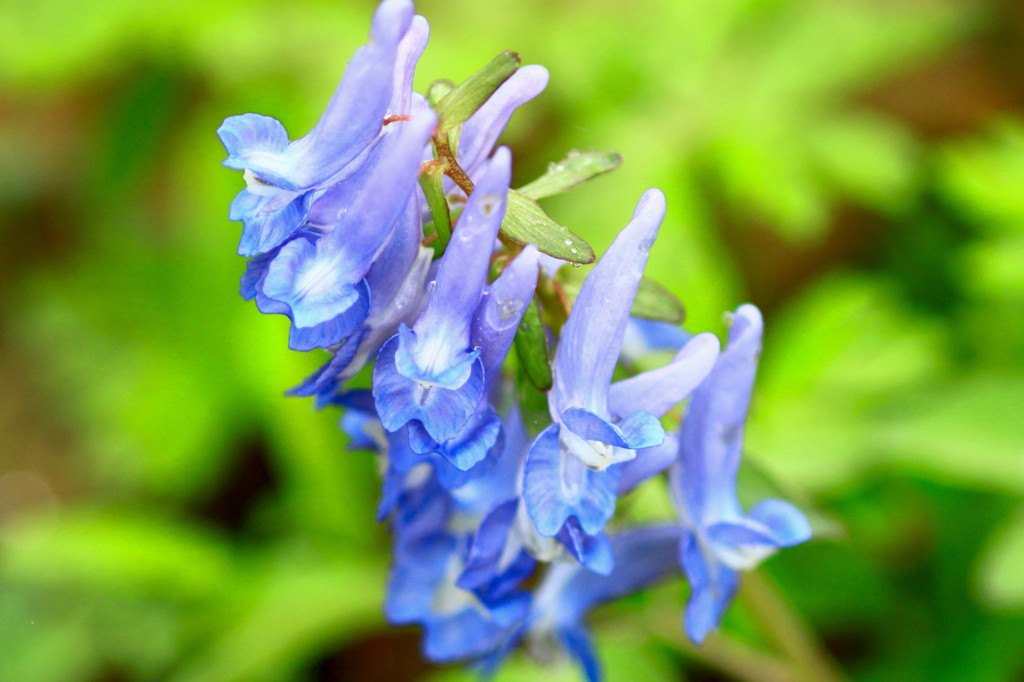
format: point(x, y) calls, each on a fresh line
point(430, 286)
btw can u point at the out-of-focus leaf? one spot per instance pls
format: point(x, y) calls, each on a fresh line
point(1000, 578)
point(573, 170)
point(984, 176)
point(125, 553)
point(832, 364)
point(867, 158)
point(527, 223)
point(969, 431)
point(302, 606)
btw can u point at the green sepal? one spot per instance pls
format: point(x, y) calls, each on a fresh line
point(438, 90)
point(432, 183)
point(532, 348)
point(573, 170)
point(653, 301)
point(462, 102)
point(527, 223)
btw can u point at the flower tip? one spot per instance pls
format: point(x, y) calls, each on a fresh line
point(391, 21)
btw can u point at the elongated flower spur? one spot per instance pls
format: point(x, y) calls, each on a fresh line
point(498, 392)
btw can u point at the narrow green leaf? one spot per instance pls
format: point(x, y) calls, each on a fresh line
point(653, 301)
point(462, 102)
point(432, 183)
point(573, 170)
point(527, 223)
point(532, 348)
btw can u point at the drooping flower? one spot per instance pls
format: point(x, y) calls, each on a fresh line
point(281, 175)
point(719, 541)
point(322, 284)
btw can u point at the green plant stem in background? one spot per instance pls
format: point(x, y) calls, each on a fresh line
point(786, 629)
point(739, 661)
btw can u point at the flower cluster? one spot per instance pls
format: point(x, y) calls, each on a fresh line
point(390, 237)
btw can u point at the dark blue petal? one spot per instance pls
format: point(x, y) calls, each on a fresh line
point(712, 588)
point(578, 643)
point(315, 286)
point(335, 330)
point(483, 572)
point(254, 269)
point(268, 220)
point(468, 447)
point(441, 411)
point(324, 383)
point(593, 552)
point(557, 485)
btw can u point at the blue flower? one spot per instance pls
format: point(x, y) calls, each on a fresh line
point(432, 373)
point(719, 541)
point(571, 471)
point(567, 593)
point(320, 283)
point(282, 175)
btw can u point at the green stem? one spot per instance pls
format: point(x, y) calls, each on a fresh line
point(788, 631)
point(433, 189)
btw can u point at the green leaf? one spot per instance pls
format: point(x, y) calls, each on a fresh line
point(573, 170)
point(462, 102)
point(527, 223)
point(653, 301)
point(532, 348)
point(999, 576)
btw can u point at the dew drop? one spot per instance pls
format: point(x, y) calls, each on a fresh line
point(576, 265)
point(430, 286)
point(568, 242)
point(573, 251)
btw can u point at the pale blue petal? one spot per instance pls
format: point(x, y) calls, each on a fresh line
point(498, 315)
point(659, 390)
point(462, 275)
point(592, 337)
point(485, 126)
point(648, 463)
point(638, 430)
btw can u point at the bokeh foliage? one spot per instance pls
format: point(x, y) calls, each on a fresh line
point(854, 167)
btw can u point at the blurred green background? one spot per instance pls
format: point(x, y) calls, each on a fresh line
point(854, 167)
